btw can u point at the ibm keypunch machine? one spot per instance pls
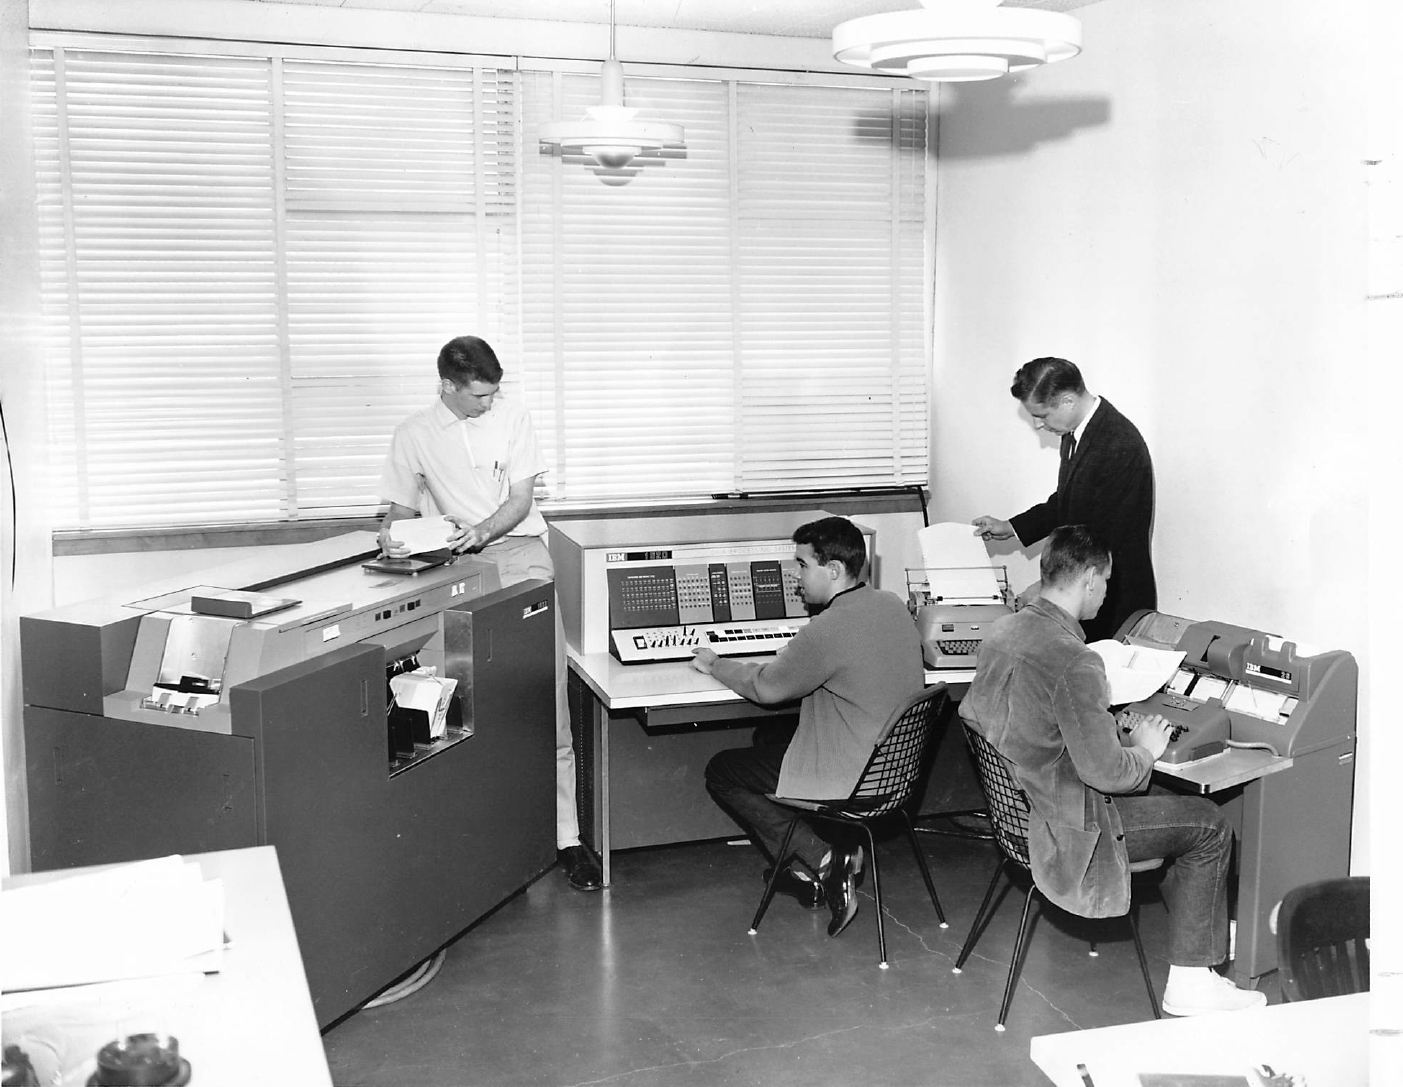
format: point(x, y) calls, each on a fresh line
point(152, 729)
point(1266, 727)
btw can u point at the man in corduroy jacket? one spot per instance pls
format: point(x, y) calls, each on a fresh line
point(1040, 696)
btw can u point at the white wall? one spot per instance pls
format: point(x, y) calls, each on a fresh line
point(355, 26)
point(24, 555)
point(1181, 211)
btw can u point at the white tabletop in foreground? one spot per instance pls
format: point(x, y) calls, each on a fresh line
point(1322, 1042)
point(252, 1022)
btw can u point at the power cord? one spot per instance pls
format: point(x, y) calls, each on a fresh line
point(420, 976)
point(1258, 745)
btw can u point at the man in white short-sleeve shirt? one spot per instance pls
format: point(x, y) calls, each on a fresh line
point(473, 458)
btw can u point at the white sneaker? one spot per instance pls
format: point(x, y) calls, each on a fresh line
point(1204, 992)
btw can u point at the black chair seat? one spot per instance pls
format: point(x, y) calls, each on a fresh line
point(882, 789)
point(1008, 812)
point(1322, 939)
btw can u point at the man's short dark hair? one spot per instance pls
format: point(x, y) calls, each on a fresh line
point(835, 539)
point(1070, 551)
point(469, 358)
point(1043, 380)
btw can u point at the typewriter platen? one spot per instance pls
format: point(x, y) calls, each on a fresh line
point(954, 607)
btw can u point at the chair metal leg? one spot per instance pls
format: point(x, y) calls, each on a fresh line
point(925, 869)
point(1144, 966)
point(877, 894)
point(1013, 963)
point(978, 917)
point(780, 862)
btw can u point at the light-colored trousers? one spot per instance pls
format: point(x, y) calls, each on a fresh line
point(521, 558)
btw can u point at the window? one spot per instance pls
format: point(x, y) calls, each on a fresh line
point(250, 261)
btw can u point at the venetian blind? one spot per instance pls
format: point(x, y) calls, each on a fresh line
point(250, 261)
point(751, 316)
point(249, 264)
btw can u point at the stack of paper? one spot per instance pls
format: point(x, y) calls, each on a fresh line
point(957, 565)
point(427, 693)
point(129, 921)
point(1135, 672)
point(421, 534)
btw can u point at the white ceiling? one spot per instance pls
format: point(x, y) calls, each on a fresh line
point(787, 18)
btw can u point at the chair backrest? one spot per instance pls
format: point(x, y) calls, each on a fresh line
point(1322, 933)
point(1008, 804)
point(898, 756)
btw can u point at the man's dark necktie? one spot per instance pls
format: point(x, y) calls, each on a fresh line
point(1069, 446)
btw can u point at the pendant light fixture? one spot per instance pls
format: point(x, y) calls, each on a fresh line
point(610, 139)
point(956, 41)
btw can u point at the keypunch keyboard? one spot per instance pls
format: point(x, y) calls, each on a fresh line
point(652, 644)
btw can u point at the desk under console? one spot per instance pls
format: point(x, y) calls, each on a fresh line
point(388, 850)
point(645, 735)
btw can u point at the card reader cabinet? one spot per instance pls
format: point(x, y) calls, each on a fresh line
point(380, 871)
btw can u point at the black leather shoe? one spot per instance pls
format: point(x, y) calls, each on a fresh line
point(839, 882)
point(806, 892)
point(581, 869)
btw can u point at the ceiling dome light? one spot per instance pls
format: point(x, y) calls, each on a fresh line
point(610, 137)
point(956, 41)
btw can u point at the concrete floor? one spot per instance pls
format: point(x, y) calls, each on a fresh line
point(655, 983)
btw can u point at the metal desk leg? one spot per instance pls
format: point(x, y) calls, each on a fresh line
point(590, 721)
point(599, 722)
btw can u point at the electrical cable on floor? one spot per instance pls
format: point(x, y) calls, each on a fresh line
point(411, 984)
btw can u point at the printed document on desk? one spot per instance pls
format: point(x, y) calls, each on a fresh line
point(957, 565)
point(130, 921)
point(1135, 672)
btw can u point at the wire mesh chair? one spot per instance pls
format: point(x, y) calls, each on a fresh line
point(1322, 939)
point(1008, 812)
point(883, 788)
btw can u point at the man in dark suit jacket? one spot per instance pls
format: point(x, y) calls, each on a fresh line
point(1105, 481)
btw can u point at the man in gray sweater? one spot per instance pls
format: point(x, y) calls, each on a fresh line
point(851, 665)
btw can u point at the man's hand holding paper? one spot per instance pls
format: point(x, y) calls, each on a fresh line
point(415, 535)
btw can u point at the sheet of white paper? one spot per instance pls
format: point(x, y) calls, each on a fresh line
point(421, 534)
point(135, 920)
point(1135, 672)
point(957, 564)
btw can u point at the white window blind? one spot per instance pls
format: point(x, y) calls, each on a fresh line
point(249, 263)
point(157, 232)
point(750, 317)
point(399, 235)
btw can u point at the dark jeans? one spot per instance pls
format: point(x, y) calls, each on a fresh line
point(1195, 840)
point(738, 780)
